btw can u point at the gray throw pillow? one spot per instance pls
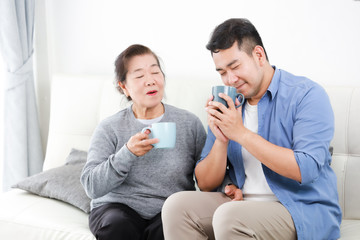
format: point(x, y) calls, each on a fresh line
point(62, 183)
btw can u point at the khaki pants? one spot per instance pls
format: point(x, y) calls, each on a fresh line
point(212, 215)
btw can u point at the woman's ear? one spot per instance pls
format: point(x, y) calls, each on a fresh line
point(124, 89)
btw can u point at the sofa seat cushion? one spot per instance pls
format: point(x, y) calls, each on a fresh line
point(28, 216)
point(350, 229)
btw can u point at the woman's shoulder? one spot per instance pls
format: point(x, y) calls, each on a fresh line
point(183, 116)
point(179, 111)
point(121, 115)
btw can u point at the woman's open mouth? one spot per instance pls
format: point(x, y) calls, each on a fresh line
point(151, 93)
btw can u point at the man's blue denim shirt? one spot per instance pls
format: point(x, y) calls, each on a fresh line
point(296, 113)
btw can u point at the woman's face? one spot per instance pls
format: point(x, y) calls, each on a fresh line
point(144, 81)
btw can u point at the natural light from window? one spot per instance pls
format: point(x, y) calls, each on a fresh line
point(2, 77)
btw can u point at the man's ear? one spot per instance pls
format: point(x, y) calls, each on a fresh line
point(259, 54)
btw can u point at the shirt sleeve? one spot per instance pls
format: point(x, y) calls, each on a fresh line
point(313, 131)
point(200, 139)
point(210, 139)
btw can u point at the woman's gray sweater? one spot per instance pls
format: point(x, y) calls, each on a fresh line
point(114, 174)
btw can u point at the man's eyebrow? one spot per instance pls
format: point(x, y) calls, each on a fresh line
point(228, 65)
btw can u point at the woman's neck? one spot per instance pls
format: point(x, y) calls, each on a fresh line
point(148, 113)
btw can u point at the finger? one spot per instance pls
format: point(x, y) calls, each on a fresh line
point(147, 131)
point(238, 195)
point(215, 104)
point(215, 122)
point(214, 113)
point(208, 100)
point(143, 136)
point(228, 100)
point(218, 105)
point(228, 190)
point(218, 133)
point(148, 142)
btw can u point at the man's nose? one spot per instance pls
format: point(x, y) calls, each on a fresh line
point(232, 78)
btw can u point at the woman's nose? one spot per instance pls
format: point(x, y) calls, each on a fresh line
point(150, 81)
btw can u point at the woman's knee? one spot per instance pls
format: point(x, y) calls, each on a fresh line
point(112, 230)
point(116, 220)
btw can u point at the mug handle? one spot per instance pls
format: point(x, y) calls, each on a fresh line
point(146, 128)
point(241, 99)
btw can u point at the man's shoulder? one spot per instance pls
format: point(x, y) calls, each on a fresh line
point(292, 82)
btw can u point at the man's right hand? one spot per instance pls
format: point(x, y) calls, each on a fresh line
point(214, 128)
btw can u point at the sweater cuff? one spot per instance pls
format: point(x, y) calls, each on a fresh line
point(123, 160)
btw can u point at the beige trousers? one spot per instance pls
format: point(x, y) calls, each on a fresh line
point(212, 215)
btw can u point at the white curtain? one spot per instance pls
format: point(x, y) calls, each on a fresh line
point(23, 154)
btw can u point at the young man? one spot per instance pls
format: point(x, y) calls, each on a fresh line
point(271, 154)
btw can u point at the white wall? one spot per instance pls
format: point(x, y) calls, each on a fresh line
point(319, 39)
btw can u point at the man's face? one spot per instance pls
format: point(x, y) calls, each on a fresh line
point(240, 70)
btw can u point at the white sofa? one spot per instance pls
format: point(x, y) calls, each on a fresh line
point(78, 103)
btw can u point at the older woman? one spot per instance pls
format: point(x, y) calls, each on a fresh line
point(127, 179)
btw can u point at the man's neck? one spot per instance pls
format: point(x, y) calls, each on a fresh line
point(268, 75)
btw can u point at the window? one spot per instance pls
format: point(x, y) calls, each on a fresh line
point(2, 77)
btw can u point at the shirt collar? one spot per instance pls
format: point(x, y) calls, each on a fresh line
point(274, 85)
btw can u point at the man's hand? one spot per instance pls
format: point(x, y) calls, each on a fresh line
point(233, 192)
point(214, 128)
point(228, 121)
point(140, 144)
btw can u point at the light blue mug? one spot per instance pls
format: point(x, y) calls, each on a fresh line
point(230, 91)
point(165, 132)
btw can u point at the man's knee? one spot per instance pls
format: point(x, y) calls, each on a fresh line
point(176, 205)
point(222, 219)
point(228, 225)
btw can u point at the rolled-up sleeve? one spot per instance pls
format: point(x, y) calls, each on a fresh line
point(312, 133)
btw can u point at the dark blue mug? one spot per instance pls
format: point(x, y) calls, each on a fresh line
point(230, 91)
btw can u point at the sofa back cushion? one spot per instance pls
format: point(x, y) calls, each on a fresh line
point(78, 103)
point(346, 142)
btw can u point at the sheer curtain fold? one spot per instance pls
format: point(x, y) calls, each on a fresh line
point(23, 154)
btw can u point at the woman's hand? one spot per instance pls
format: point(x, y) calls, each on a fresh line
point(140, 144)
